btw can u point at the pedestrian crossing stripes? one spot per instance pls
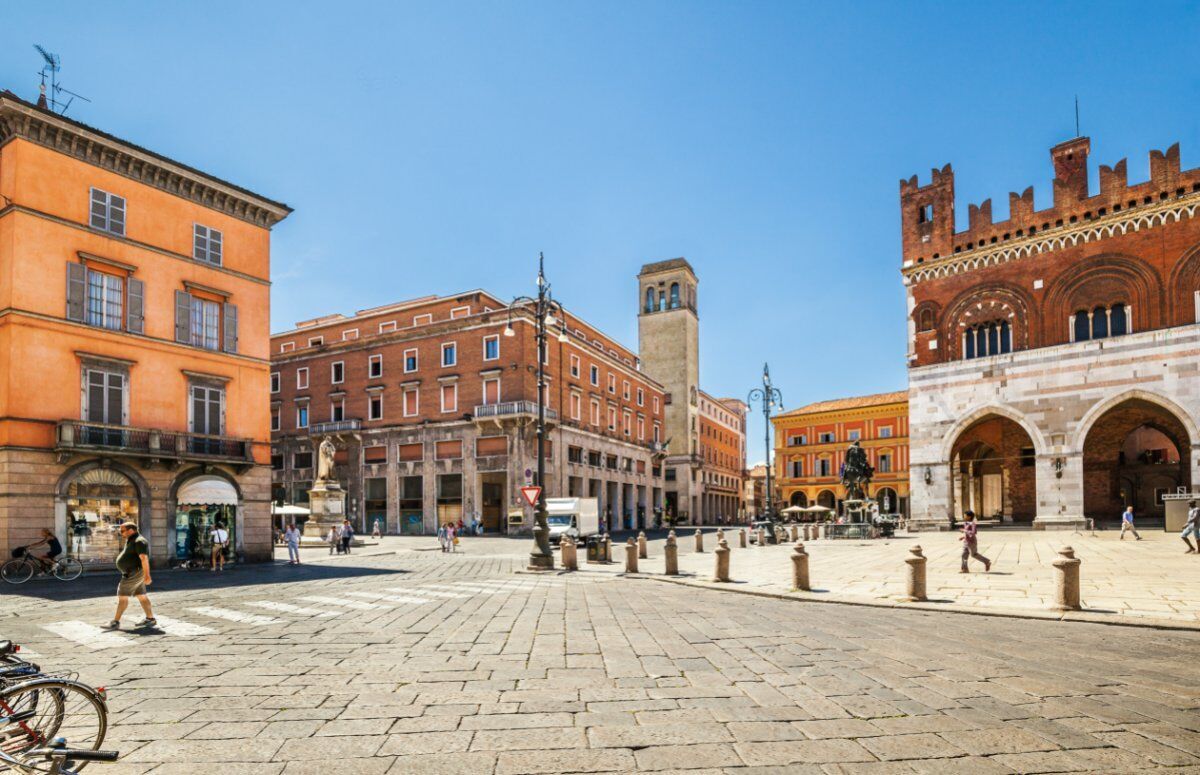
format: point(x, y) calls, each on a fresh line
point(90, 635)
point(357, 605)
point(181, 629)
point(439, 593)
point(390, 598)
point(288, 608)
point(235, 616)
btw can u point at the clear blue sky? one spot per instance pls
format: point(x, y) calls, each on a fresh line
point(437, 147)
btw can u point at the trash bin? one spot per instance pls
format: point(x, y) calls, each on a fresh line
point(595, 549)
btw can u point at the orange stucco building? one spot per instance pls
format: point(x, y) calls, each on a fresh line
point(134, 339)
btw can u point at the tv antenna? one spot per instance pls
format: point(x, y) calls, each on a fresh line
point(52, 97)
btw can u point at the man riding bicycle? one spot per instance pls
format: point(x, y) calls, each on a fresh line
point(53, 549)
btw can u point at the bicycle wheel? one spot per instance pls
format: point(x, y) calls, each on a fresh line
point(61, 708)
point(68, 569)
point(17, 571)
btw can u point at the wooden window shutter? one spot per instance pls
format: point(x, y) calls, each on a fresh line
point(135, 321)
point(231, 328)
point(183, 317)
point(76, 291)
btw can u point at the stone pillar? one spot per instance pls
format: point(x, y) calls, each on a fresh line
point(722, 561)
point(570, 554)
point(631, 557)
point(720, 535)
point(762, 537)
point(915, 581)
point(742, 538)
point(699, 540)
point(1059, 492)
point(641, 543)
point(1066, 581)
point(607, 548)
point(796, 532)
point(800, 568)
point(671, 553)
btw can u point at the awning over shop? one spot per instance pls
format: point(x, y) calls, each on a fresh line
point(207, 491)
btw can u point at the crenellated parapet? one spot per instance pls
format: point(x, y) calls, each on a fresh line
point(927, 211)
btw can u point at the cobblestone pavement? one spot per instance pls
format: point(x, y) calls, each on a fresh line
point(425, 663)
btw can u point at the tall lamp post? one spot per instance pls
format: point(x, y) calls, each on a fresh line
point(771, 399)
point(545, 308)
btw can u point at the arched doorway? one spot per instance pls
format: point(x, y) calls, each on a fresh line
point(888, 502)
point(993, 466)
point(1133, 454)
point(827, 499)
point(98, 499)
point(799, 499)
point(203, 502)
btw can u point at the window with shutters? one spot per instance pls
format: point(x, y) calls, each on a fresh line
point(274, 382)
point(302, 416)
point(575, 366)
point(275, 425)
point(491, 348)
point(612, 419)
point(412, 402)
point(594, 375)
point(104, 299)
point(450, 398)
point(105, 294)
point(104, 403)
point(491, 391)
point(641, 397)
point(206, 323)
point(206, 244)
point(202, 322)
point(410, 361)
point(302, 378)
point(641, 425)
point(595, 413)
point(449, 354)
point(107, 212)
point(337, 410)
point(375, 406)
point(207, 417)
point(576, 406)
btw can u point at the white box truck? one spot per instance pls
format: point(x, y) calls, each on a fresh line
point(575, 517)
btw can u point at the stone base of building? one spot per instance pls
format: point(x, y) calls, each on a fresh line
point(1060, 522)
point(926, 525)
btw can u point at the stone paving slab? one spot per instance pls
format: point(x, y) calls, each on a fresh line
point(605, 674)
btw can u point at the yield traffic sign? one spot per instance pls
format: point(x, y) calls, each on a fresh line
point(531, 495)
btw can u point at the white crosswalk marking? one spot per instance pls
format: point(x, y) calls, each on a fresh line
point(438, 593)
point(182, 629)
point(390, 598)
point(235, 616)
point(357, 605)
point(288, 608)
point(90, 635)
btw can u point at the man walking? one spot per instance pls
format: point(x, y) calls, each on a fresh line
point(347, 536)
point(134, 564)
point(220, 542)
point(292, 538)
point(1192, 526)
point(1127, 524)
point(971, 543)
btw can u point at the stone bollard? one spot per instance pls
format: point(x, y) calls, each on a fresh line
point(720, 535)
point(762, 537)
point(1066, 581)
point(800, 568)
point(699, 540)
point(822, 531)
point(567, 547)
point(631, 556)
point(642, 553)
point(796, 532)
point(722, 555)
point(671, 553)
point(607, 548)
point(915, 583)
point(742, 538)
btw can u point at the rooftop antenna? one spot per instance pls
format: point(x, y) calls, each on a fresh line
point(1077, 115)
point(52, 98)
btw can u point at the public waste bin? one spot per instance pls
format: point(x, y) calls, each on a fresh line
point(595, 549)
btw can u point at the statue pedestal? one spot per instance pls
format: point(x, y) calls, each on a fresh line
point(327, 503)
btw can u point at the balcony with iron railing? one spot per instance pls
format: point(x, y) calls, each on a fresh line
point(509, 409)
point(77, 436)
point(335, 426)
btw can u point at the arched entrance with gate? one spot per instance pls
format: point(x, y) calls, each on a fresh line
point(1133, 453)
point(887, 500)
point(993, 471)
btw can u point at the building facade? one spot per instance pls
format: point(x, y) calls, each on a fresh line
point(704, 435)
point(433, 406)
point(1053, 355)
point(811, 443)
point(134, 338)
point(755, 489)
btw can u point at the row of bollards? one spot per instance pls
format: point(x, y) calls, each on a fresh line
point(1066, 567)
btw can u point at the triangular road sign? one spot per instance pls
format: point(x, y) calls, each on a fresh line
point(531, 495)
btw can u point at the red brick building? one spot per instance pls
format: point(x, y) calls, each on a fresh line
point(723, 452)
point(1053, 354)
point(434, 410)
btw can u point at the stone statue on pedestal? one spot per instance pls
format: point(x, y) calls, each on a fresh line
point(325, 455)
point(856, 472)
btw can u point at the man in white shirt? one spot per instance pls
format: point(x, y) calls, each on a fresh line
point(220, 542)
point(1192, 526)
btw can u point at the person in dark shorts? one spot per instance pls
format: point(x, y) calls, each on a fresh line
point(134, 564)
point(53, 549)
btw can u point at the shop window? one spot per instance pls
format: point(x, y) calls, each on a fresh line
point(99, 500)
point(375, 502)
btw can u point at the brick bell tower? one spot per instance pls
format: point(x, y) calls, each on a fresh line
point(669, 347)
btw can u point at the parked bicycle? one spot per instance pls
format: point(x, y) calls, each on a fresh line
point(24, 566)
point(40, 711)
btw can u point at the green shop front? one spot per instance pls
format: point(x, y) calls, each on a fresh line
point(201, 505)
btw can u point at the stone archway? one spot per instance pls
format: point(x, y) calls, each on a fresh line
point(827, 499)
point(888, 500)
point(799, 499)
point(993, 471)
point(1134, 451)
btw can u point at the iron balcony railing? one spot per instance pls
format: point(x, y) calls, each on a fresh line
point(339, 426)
point(145, 442)
point(512, 409)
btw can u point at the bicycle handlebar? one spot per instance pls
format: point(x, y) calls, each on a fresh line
point(76, 754)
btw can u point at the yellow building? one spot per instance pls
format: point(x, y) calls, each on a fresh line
point(811, 442)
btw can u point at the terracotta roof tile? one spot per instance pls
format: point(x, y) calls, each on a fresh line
point(839, 404)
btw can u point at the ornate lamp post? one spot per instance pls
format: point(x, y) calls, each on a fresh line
point(771, 399)
point(545, 308)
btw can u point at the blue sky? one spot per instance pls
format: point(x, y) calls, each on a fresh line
point(437, 147)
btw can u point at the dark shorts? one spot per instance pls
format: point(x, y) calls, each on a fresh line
point(132, 585)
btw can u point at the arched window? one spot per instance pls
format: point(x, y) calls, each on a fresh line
point(1083, 327)
point(1118, 322)
point(926, 321)
point(649, 299)
point(984, 339)
point(674, 295)
point(1101, 322)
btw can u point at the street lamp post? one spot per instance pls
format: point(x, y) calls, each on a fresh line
point(771, 399)
point(545, 307)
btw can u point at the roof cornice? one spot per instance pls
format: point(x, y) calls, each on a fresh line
point(20, 119)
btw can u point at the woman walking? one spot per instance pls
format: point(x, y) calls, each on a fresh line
point(291, 537)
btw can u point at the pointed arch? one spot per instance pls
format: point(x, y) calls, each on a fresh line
point(1101, 407)
point(982, 413)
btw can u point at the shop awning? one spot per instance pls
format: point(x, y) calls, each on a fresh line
point(207, 491)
